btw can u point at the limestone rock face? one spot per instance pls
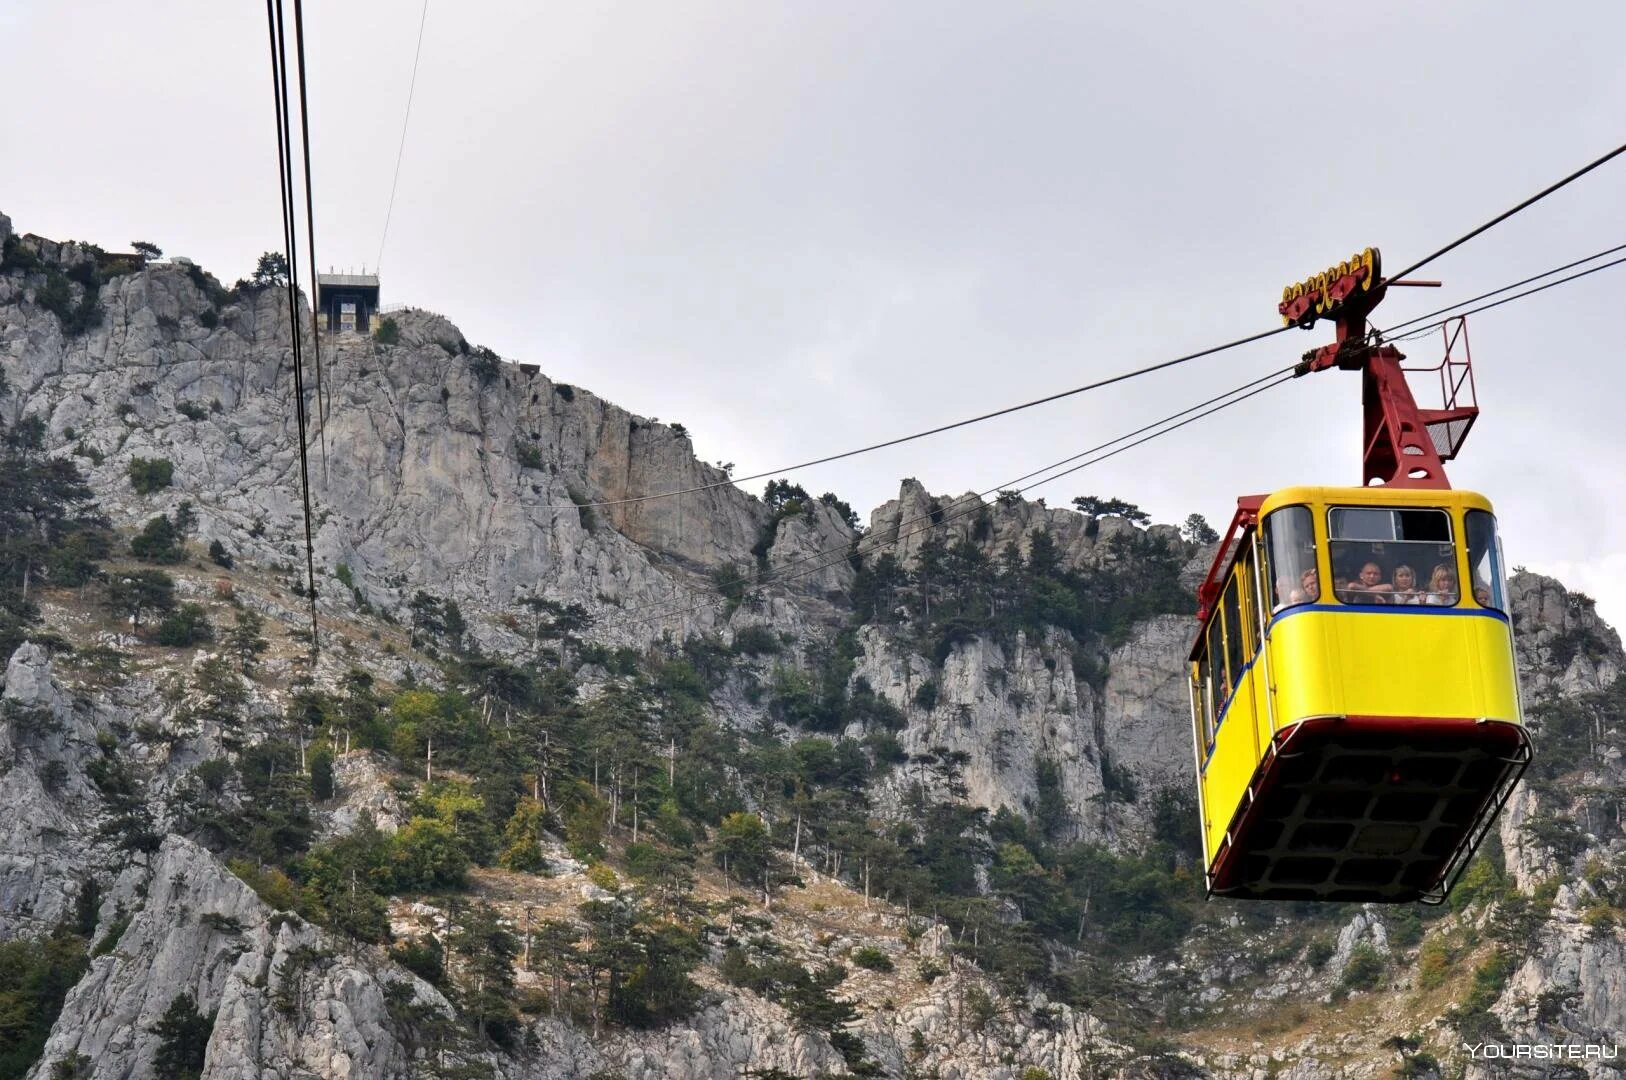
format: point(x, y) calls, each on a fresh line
point(363, 790)
point(1563, 647)
point(287, 999)
point(47, 839)
point(436, 468)
point(1008, 714)
point(1146, 708)
point(900, 526)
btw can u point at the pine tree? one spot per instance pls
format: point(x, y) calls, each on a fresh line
point(184, 1032)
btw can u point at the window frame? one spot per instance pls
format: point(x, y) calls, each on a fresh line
point(1498, 584)
point(1423, 575)
point(1271, 562)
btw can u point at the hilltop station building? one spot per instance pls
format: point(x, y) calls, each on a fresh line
point(348, 302)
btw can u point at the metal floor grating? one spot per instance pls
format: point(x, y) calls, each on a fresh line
point(1368, 809)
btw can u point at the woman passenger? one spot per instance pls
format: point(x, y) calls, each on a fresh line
point(1405, 586)
point(1442, 587)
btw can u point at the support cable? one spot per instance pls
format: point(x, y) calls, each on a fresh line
point(1384, 334)
point(1216, 404)
point(1504, 215)
point(779, 577)
point(279, 79)
point(1098, 384)
point(732, 481)
point(310, 228)
point(401, 150)
point(975, 499)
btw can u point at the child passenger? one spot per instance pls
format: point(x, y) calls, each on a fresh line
point(1442, 587)
point(1405, 586)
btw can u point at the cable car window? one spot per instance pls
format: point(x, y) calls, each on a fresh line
point(1392, 556)
point(1205, 701)
point(1218, 691)
point(1233, 634)
point(1290, 543)
point(1485, 561)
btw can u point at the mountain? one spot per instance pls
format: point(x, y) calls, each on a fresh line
point(584, 783)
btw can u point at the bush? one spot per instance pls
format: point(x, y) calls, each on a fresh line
point(191, 410)
point(1364, 969)
point(219, 555)
point(187, 625)
point(428, 855)
point(159, 542)
point(388, 333)
point(1434, 962)
point(210, 318)
point(871, 958)
point(529, 456)
point(148, 475)
point(756, 641)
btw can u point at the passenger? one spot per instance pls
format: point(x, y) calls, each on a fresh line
point(1370, 585)
point(1442, 587)
point(1310, 586)
point(1405, 586)
point(1286, 594)
point(1482, 594)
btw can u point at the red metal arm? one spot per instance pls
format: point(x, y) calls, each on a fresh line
point(1404, 446)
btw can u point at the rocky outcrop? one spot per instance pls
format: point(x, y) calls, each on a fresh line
point(900, 526)
point(436, 468)
point(287, 999)
point(1012, 714)
point(48, 842)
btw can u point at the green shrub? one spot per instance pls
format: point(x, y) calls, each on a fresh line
point(159, 541)
point(529, 456)
point(209, 318)
point(191, 410)
point(388, 332)
point(1364, 969)
point(219, 555)
point(1434, 962)
point(871, 958)
point(756, 641)
point(148, 475)
point(186, 625)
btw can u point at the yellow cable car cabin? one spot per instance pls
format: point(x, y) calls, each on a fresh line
point(1355, 702)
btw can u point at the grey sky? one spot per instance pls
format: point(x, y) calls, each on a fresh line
point(796, 228)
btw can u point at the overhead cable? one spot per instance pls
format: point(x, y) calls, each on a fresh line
point(310, 228)
point(1504, 215)
point(1506, 299)
point(932, 521)
point(279, 82)
point(950, 512)
point(401, 150)
point(1098, 384)
point(1497, 292)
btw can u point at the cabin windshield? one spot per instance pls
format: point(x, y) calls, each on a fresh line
point(1290, 557)
point(1392, 556)
point(1485, 561)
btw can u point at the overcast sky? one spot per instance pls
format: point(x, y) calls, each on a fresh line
point(797, 228)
